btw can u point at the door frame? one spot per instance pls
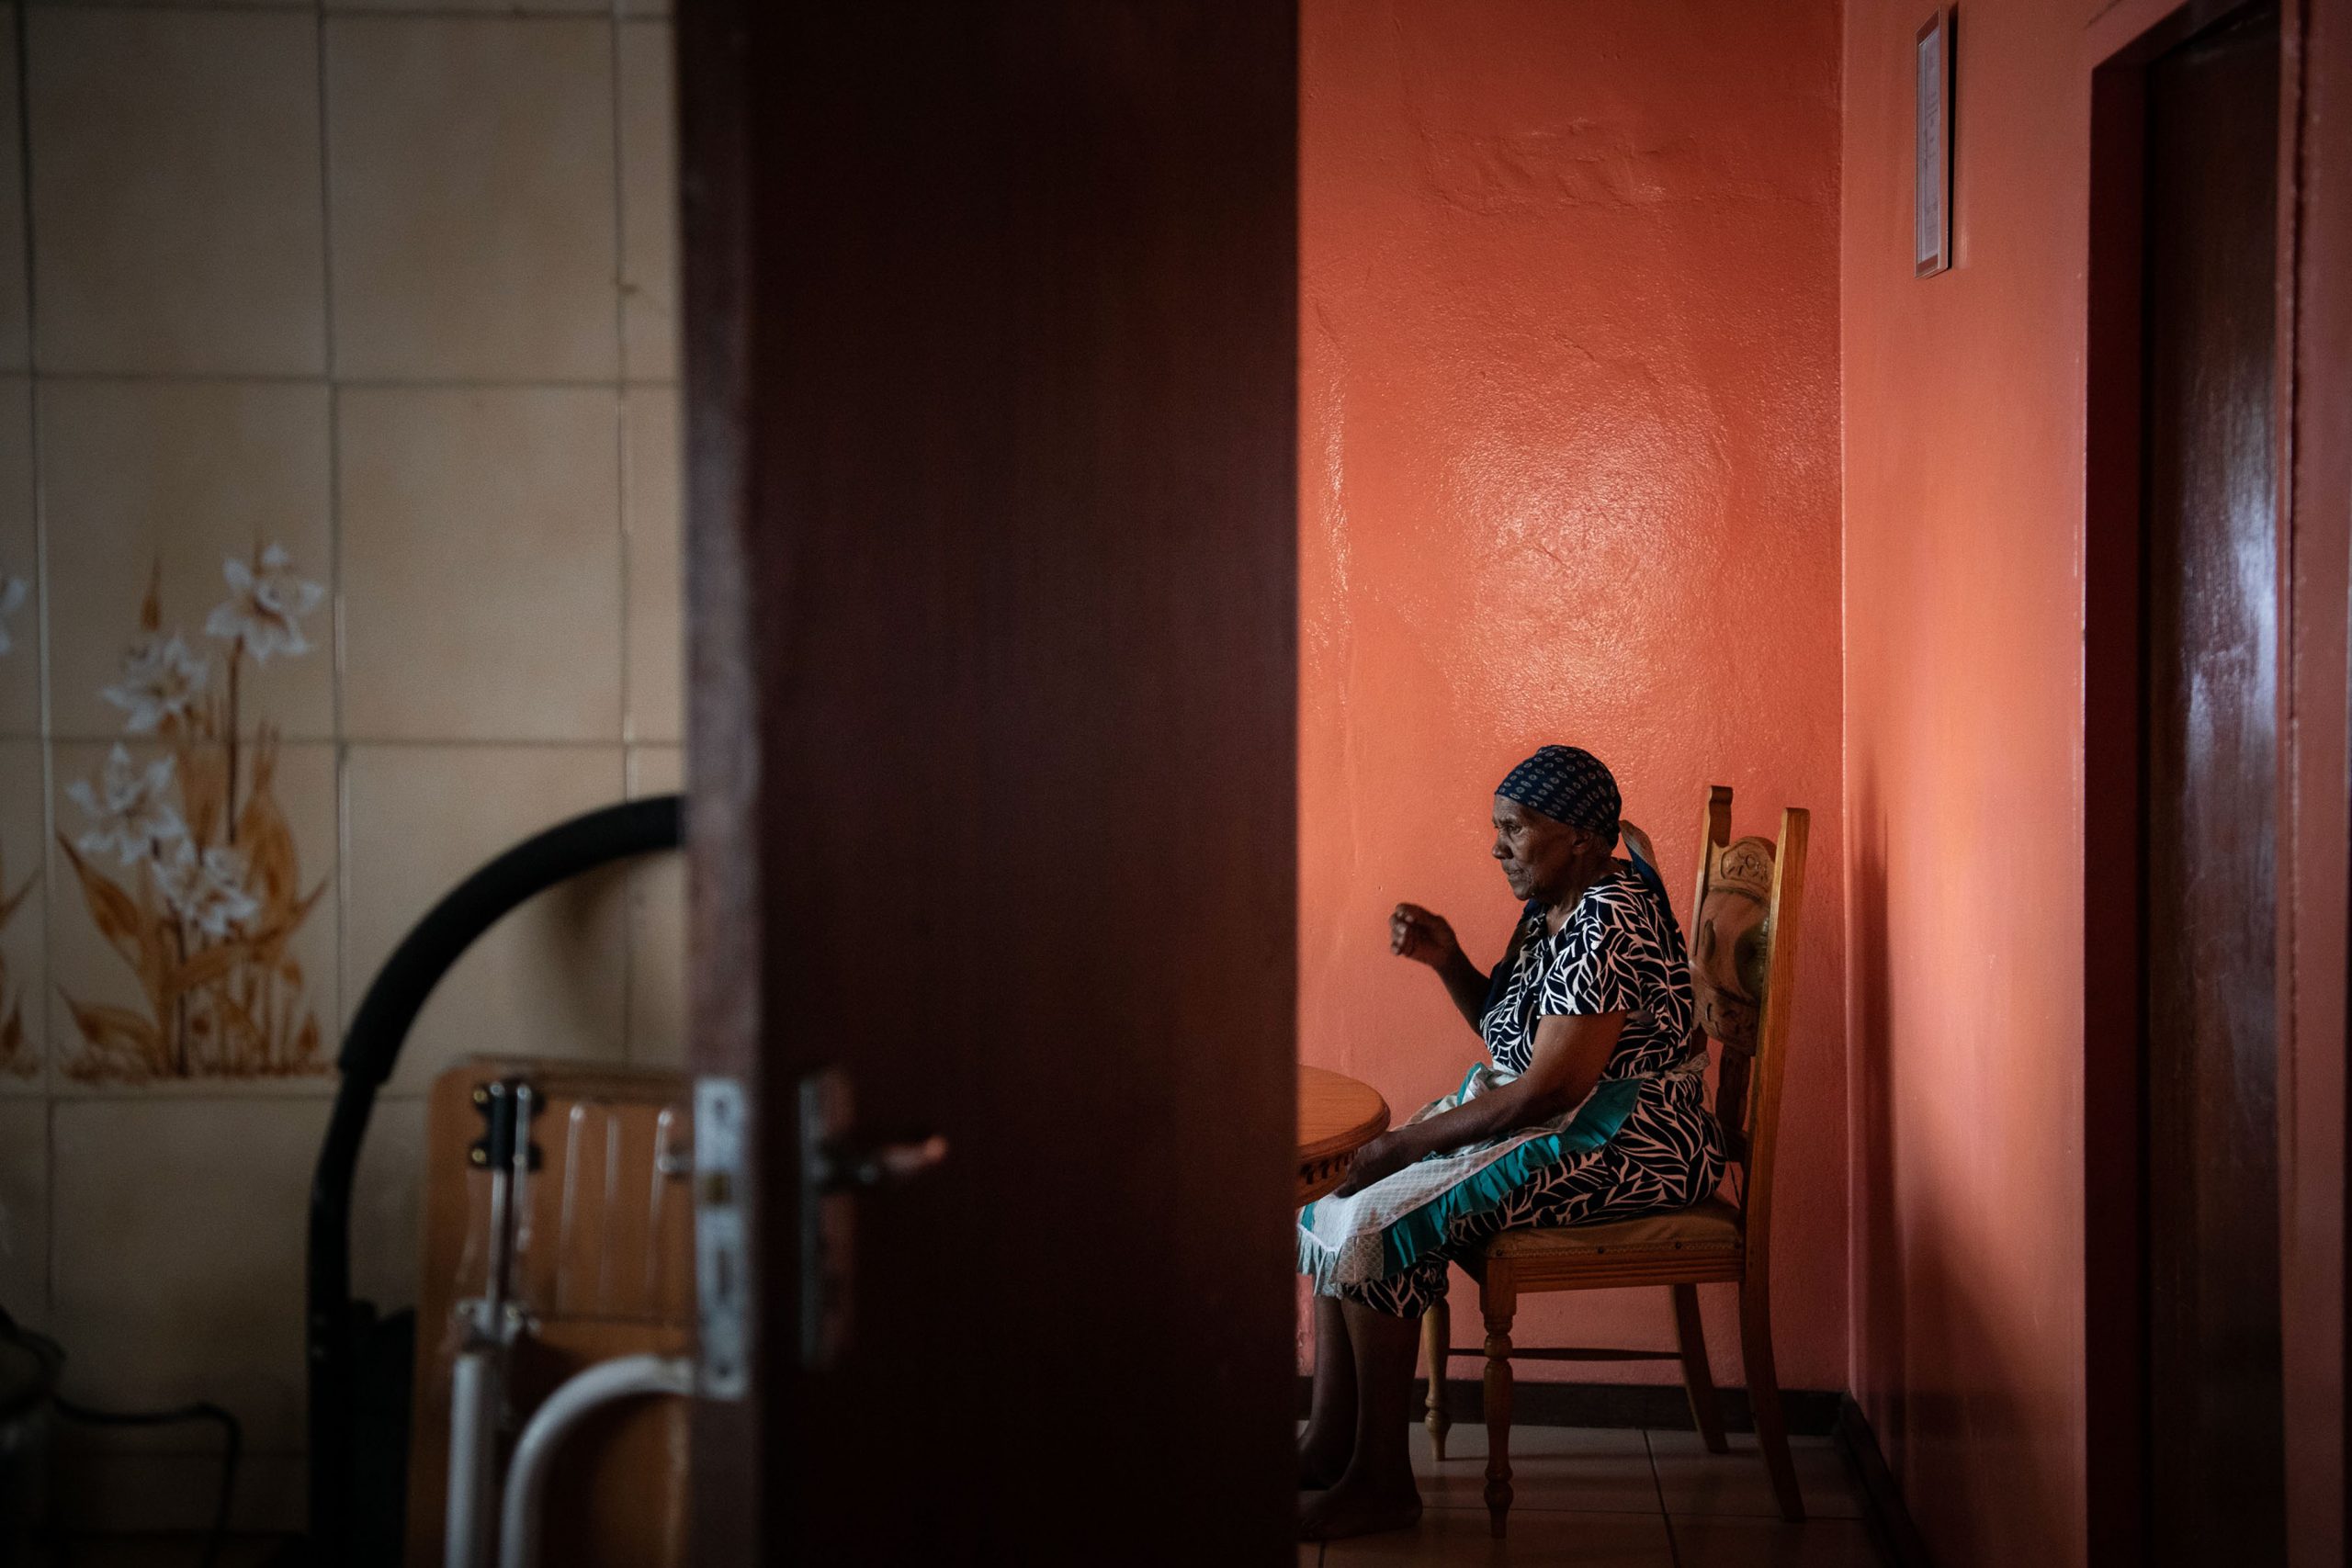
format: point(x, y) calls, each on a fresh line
point(726, 890)
point(2316, 815)
point(2313, 511)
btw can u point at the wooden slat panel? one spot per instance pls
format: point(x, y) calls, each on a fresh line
point(606, 1270)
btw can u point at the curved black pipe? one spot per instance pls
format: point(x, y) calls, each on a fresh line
point(369, 1051)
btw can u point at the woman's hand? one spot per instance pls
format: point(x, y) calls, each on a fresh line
point(1385, 1155)
point(1415, 934)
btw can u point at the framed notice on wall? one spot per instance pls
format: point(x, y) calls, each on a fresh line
point(1931, 148)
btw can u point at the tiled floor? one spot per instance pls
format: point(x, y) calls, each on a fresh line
point(1621, 1498)
point(1588, 1496)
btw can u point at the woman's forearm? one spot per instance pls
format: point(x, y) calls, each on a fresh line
point(1522, 1103)
point(1467, 986)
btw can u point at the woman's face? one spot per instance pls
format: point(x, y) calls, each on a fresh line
point(1540, 857)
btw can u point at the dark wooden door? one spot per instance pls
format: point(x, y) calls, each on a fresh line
point(2210, 777)
point(992, 315)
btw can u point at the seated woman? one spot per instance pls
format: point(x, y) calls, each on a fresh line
point(1594, 1109)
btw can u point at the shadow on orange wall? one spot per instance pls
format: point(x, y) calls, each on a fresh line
point(1964, 488)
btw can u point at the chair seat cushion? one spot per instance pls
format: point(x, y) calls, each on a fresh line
point(1710, 1227)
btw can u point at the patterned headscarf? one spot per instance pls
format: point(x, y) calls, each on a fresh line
point(1568, 784)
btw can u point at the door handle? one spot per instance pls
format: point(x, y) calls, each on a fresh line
point(835, 1166)
point(879, 1165)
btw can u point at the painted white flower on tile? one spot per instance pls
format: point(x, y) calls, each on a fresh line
point(12, 592)
point(130, 810)
point(204, 927)
point(208, 891)
point(162, 680)
point(266, 605)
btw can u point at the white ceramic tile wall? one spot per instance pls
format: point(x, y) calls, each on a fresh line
point(649, 205)
point(547, 980)
point(475, 197)
point(177, 221)
point(338, 486)
point(657, 901)
point(655, 587)
point(16, 307)
point(458, 507)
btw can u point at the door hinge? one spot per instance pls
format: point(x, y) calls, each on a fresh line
point(722, 1263)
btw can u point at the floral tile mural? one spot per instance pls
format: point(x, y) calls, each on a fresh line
point(183, 856)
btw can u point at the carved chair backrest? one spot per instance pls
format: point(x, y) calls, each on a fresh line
point(1744, 920)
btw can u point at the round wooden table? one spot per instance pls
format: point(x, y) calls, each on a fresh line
point(1336, 1116)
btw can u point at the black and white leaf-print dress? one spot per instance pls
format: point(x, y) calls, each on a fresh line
point(1619, 951)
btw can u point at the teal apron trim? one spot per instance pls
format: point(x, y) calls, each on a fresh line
point(1426, 1227)
point(1412, 1236)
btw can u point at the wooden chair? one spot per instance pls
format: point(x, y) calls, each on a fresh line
point(1743, 973)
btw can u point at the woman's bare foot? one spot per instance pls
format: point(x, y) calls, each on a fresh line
point(1320, 1464)
point(1356, 1506)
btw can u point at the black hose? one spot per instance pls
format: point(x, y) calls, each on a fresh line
point(539, 863)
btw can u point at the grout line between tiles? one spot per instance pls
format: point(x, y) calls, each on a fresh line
point(458, 14)
point(631, 884)
point(378, 12)
point(622, 432)
point(370, 383)
point(168, 6)
point(345, 1003)
point(620, 200)
point(1657, 1482)
point(430, 742)
point(46, 1044)
point(337, 654)
point(621, 518)
point(246, 733)
point(315, 1091)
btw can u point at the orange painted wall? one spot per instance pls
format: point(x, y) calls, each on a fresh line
point(1569, 419)
point(1964, 473)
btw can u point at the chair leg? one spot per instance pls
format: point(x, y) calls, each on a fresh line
point(1498, 1418)
point(1437, 1339)
point(1764, 1397)
point(1698, 1381)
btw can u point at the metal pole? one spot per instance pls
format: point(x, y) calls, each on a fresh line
point(473, 1434)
